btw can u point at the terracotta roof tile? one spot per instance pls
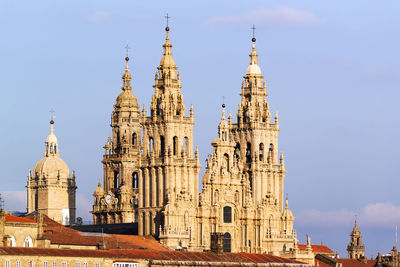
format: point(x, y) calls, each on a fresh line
point(150, 254)
point(356, 263)
point(316, 248)
point(12, 218)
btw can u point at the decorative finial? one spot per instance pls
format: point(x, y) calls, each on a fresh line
point(223, 101)
point(127, 47)
point(254, 34)
point(52, 116)
point(167, 18)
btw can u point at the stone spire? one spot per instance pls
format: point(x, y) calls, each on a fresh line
point(167, 100)
point(356, 248)
point(254, 107)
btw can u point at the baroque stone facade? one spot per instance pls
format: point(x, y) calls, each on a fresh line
point(151, 172)
point(51, 187)
point(356, 248)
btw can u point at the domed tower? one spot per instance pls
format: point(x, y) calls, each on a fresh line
point(121, 160)
point(51, 187)
point(356, 248)
point(243, 194)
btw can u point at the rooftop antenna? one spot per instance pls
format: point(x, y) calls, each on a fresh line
point(396, 236)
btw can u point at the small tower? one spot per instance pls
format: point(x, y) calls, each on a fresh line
point(51, 188)
point(356, 248)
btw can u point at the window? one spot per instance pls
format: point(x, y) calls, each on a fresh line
point(116, 179)
point(237, 151)
point(64, 264)
point(54, 264)
point(227, 214)
point(134, 139)
point(45, 264)
point(135, 180)
point(248, 153)
point(85, 264)
point(97, 265)
point(13, 243)
point(18, 264)
point(261, 151)
point(175, 147)
point(7, 263)
point(28, 243)
point(78, 264)
point(125, 264)
point(151, 147)
point(226, 241)
point(31, 264)
point(162, 148)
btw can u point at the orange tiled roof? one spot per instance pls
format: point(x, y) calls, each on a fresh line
point(356, 263)
point(152, 255)
point(59, 234)
point(316, 248)
point(12, 218)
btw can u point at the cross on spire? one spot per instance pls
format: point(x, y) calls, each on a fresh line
point(223, 101)
point(52, 116)
point(167, 18)
point(127, 47)
point(254, 33)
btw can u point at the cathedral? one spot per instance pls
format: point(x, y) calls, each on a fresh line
point(151, 169)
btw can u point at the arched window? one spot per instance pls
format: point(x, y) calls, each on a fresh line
point(135, 180)
point(13, 242)
point(116, 179)
point(248, 152)
point(162, 144)
point(226, 161)
point(151, 143)
point(175, 145)
point(28, 242)
point(226, 241)
point(134, 139)
point(237, 151)
point(271, 152)
point(261, 152)
point(227, 214)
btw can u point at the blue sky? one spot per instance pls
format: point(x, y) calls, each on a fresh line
point(332, 70)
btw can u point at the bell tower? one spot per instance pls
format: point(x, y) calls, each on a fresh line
point(117, 202)
point(170, 168)
point(356, 248)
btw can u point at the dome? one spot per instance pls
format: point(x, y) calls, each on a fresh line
point(51, 138)
point(51, 167)
point(127, 98)
point(167, 61)
point(253, 69)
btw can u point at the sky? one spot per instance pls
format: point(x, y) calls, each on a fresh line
point(332, 71)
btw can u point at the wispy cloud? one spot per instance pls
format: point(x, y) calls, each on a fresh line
point(281, 16)
point(83, 207)
point(99, 16)
point(383, 215)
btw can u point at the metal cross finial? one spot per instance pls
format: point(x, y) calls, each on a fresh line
point(254, 31)
point(52, 116)
point(127, 47)
point(167, 17)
